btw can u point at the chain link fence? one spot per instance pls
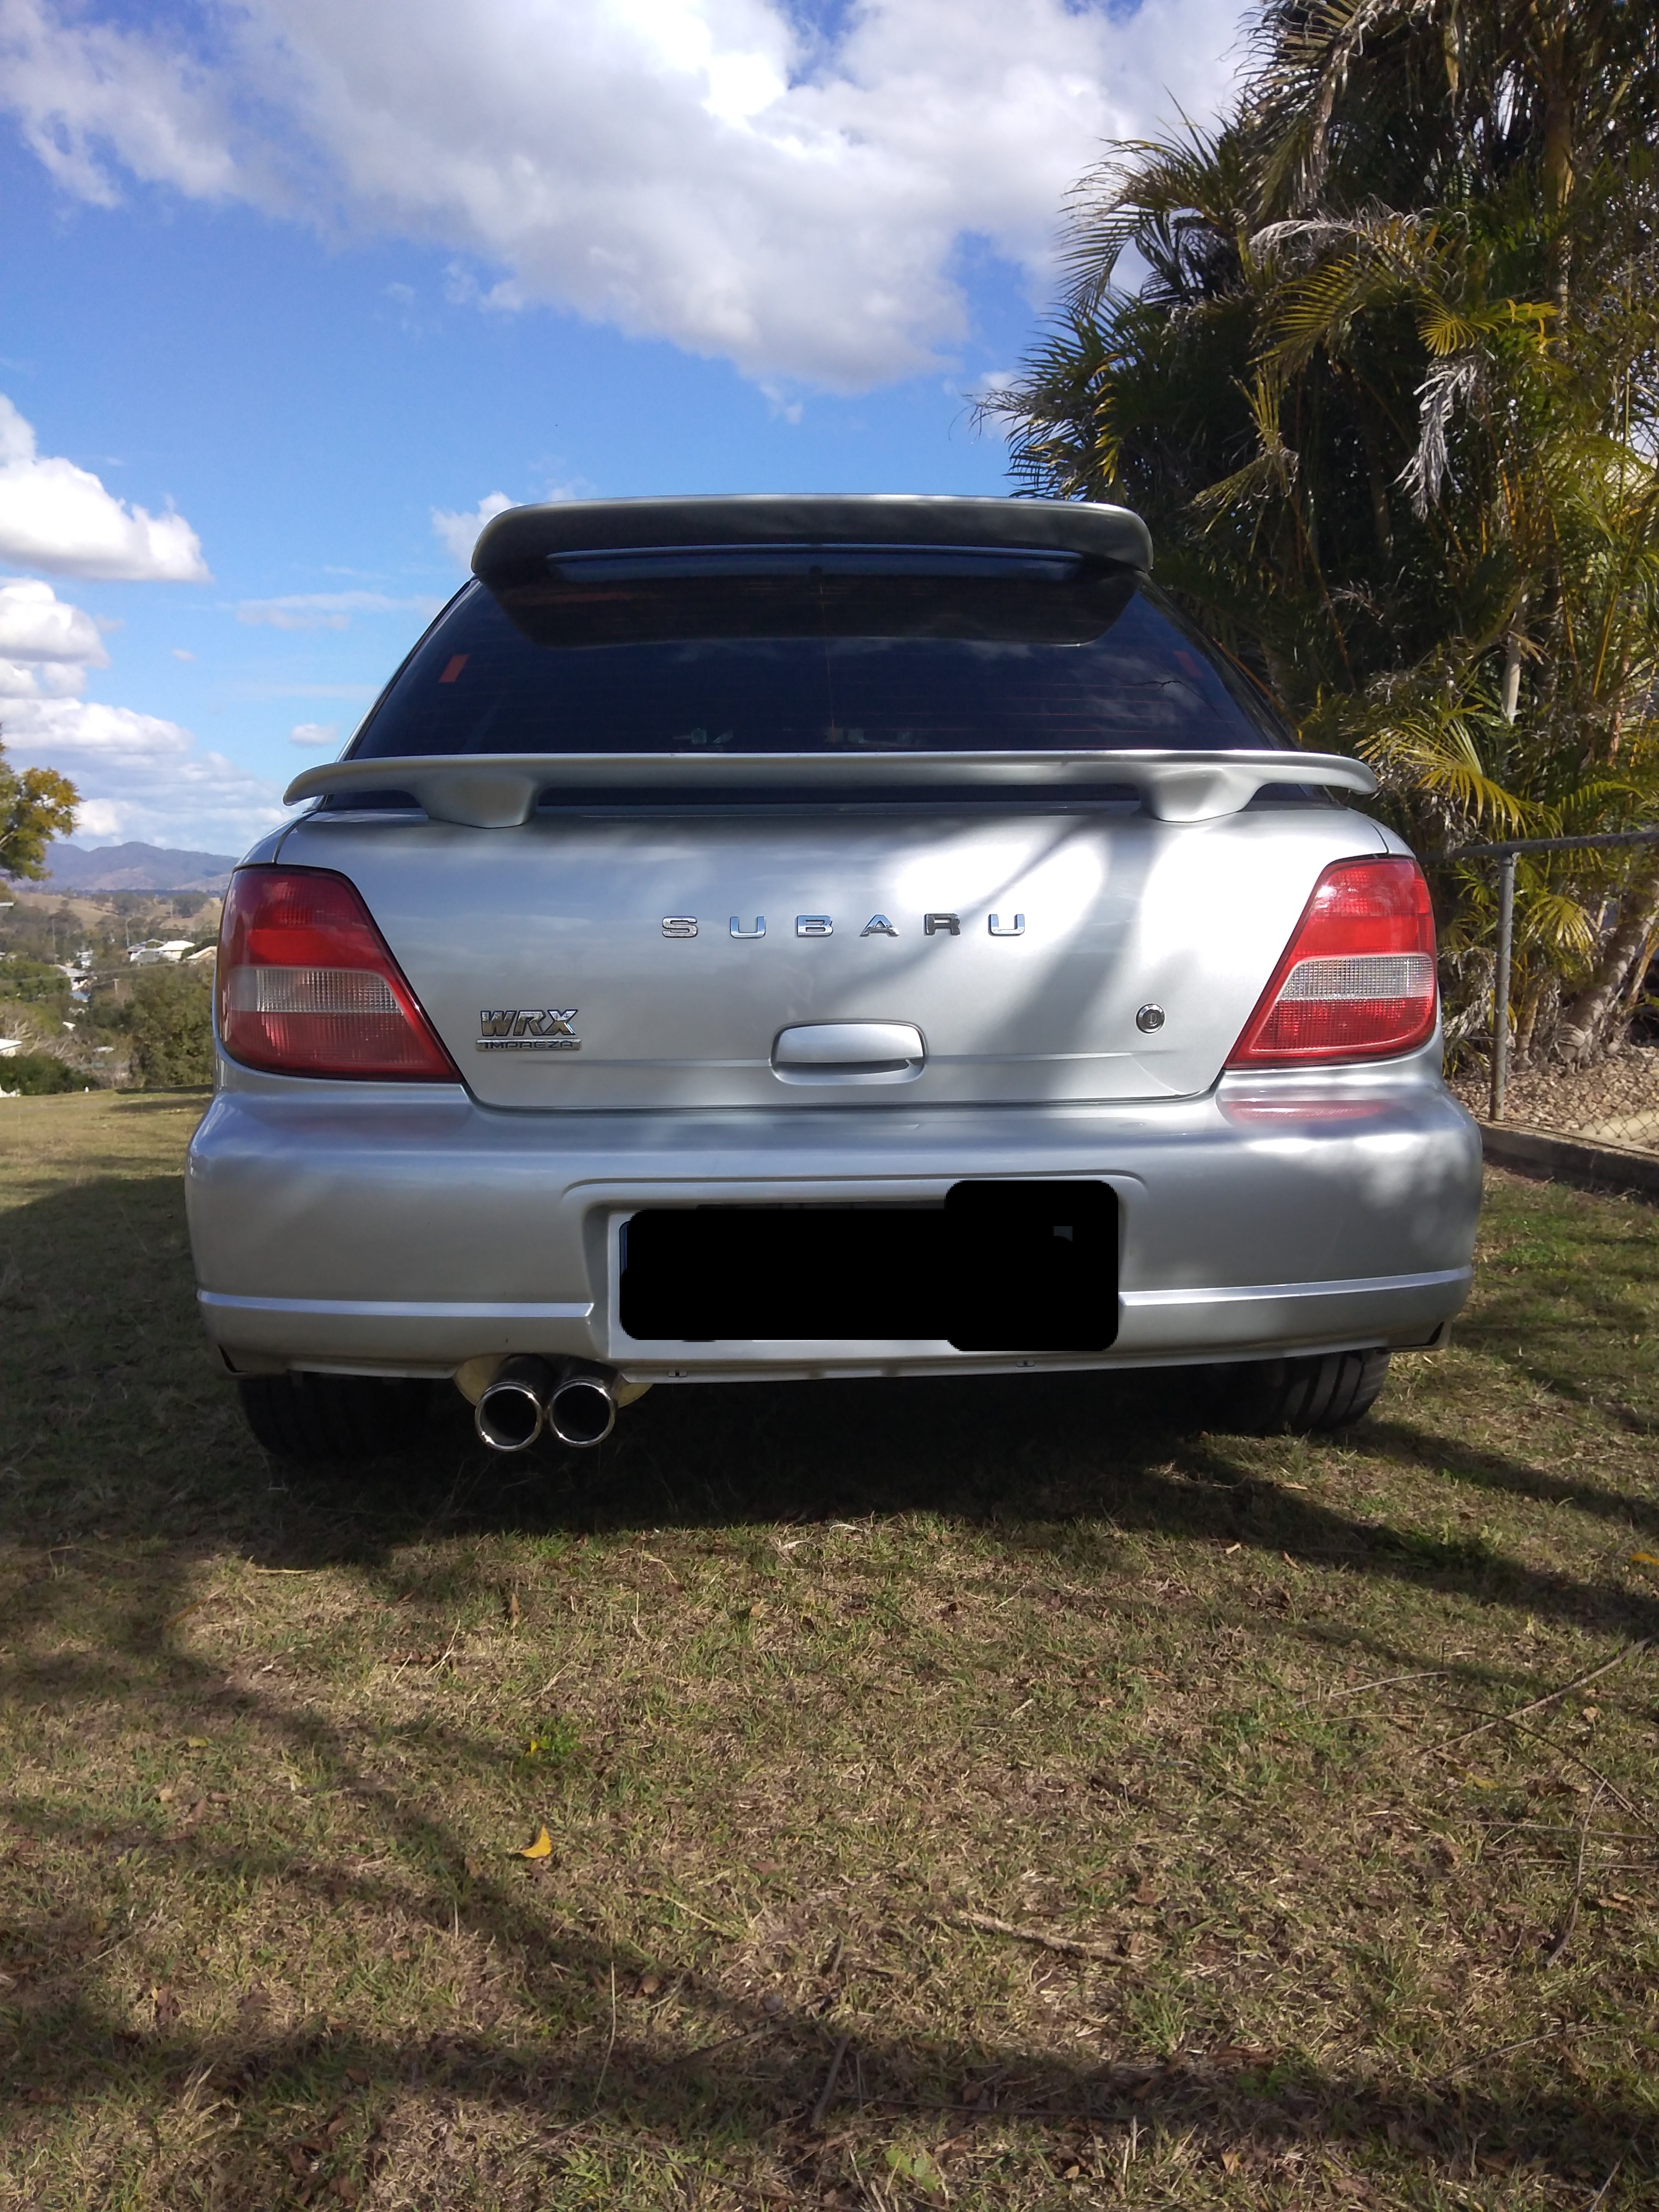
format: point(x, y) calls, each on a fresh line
point(1613, 1100)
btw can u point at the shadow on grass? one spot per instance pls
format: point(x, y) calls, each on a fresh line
point(1567, 1320)
point(1397, 1442)
point(197, 1095)
point(727, 2071)
point(115, 1427)
point(1035, 1459)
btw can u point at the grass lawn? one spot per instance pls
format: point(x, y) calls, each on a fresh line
point(810, 1687)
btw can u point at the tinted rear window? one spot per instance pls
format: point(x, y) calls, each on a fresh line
point(779, 650)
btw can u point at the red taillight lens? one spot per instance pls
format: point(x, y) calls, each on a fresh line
point(1357, 980)
point(307, 986)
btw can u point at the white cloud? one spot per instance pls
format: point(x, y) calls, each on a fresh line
point(711, 172)
point(40, 679)
point(459, 532)
point(314, 733)
point(56, 516)
point(98, 821)
point(328, 610)
point(47, 646)
point(36, 625)
point(141, 776)
point(181, 653)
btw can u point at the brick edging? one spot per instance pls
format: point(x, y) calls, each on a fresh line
point(1570, 1159)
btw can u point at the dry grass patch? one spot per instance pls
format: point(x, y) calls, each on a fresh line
point(811, 1689)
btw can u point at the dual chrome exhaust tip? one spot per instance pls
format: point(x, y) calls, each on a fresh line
point(576, 1405)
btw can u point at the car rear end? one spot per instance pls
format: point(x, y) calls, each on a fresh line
point(802, 939)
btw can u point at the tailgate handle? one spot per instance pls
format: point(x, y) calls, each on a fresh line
point(849, 1052)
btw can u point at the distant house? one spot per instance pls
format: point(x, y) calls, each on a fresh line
point(154, 950)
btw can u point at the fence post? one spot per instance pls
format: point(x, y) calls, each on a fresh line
point(1500, 984)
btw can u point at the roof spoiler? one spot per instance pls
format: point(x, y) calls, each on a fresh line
point(496, 791)
point(526, 534)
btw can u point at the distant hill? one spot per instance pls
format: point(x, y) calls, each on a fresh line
point(137, 868)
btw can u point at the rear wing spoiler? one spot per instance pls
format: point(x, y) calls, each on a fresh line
point(497, 790)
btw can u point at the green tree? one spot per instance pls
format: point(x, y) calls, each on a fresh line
point(172, 1028)
point(36, 805)
point(1386, 386)
point(38, 1074)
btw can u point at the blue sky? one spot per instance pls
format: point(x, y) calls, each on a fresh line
point(298, 303)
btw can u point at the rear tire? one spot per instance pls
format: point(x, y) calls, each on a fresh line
point(334, 1417)
point(1301, 1397)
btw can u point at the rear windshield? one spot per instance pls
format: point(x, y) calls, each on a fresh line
point(814, 650)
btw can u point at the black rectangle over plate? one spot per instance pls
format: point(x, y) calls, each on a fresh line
point(1003, 1266)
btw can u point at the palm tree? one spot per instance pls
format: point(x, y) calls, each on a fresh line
point(1386, 386)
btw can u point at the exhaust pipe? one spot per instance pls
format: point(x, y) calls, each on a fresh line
point(526, 1395)
point(511, 1410)
point(582, 1411)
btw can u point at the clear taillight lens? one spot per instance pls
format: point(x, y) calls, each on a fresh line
point(1357, 980)
point(307, 986)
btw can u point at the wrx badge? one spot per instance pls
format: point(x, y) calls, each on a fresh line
point(527, 1029)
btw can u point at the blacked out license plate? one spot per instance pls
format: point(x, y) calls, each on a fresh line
point(1001, 1267)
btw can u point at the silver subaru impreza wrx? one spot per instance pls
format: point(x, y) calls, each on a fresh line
point(761, 938)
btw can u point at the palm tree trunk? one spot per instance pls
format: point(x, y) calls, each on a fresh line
point(1511, 676)
point(1585, 1024)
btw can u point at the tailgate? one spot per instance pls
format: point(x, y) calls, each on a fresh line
point(584, 962)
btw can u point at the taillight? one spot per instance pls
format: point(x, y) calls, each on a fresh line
point(307, 986)
point(1357, 979)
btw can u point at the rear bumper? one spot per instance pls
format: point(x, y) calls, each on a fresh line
point(394, 1228)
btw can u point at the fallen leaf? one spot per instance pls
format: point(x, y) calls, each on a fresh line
point(650, 1985)
point(166, 2005)
point(915, 2166)
point(198, 1743)
point(1229, 2161)
point(165, 1795)
point(184, 1612)
point(541, 1849)
point(357, 2077)
point(1644, 1560)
